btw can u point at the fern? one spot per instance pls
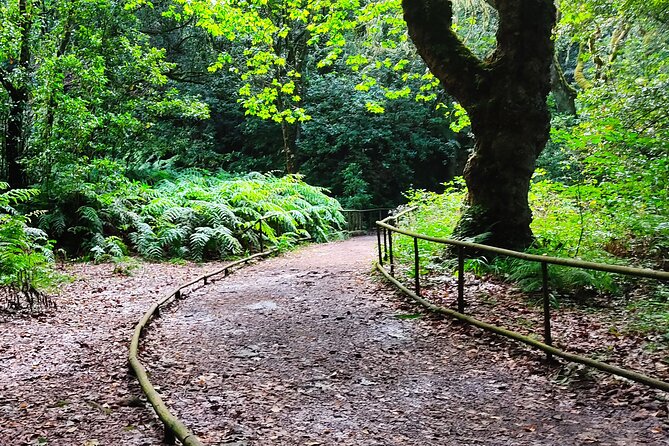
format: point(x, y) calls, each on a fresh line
point(26, 257)
point(54, 222)
point(190, 214)
point(528, 276)
point(90, 216)
point(146, 242)
point(226, 241)
point(115, 247)
point(15, 196)
point(173, 236)
point(158, 206)
point(178, 215)
point(214, 214)
point(198, 241)
point(103, 249)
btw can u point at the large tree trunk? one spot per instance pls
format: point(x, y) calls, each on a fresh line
point(505, 97)
point(508, 141)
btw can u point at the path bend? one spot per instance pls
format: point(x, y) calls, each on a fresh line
point(307, 349)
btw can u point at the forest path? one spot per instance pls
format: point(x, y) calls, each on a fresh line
point(308, 349)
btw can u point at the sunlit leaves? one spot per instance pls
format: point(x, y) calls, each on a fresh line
point(96, 84)
point(271, 67)
point(367, 83)
point(396, 94)
point(460, 119)
point(374, 107)
point(355, 61)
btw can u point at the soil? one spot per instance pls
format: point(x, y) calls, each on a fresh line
point(311, 349)
point(305, 349)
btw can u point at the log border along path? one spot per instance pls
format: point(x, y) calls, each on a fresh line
point(174, 428)
point(308, 349)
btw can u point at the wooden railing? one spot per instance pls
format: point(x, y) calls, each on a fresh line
point(385, 231)
point(363, 220)
point(174, 428)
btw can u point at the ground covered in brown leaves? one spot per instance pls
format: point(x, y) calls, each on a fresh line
point(306, 349)
point(63, 375)
point(310, 349)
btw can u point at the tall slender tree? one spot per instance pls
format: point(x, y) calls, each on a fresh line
point(14, 78)
point(505, 98)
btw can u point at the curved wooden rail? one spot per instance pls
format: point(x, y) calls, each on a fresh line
point(174, 428)
point(544, 260)
point(625, 373)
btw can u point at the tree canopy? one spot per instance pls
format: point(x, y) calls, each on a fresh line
point(336, 91)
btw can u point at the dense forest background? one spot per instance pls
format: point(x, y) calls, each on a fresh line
point(126, 122)
point(162, 86)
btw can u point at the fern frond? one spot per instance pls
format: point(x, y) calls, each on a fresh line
point(178, 215)
point(173, 237)
point(14, 196)
point(90, 215)
point(146, 242)
point(198, 241)
point(228, 243)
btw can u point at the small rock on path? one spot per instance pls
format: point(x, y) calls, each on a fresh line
point(307, 349)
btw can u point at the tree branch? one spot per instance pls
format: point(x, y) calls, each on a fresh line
point(524, 46)
point(179, 26)
point(190, 77)
point(522, 24)
point(430, 27)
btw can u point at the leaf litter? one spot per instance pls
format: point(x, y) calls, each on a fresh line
point(64, 377)
point(338, 358)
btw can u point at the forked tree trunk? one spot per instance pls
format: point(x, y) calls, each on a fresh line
point(508, 140)
point(505, 97)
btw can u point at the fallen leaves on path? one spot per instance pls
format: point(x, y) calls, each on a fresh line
point(64, 377)
point(310, 349)
point(306, 350)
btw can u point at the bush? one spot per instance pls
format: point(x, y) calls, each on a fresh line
point(583, 220)
point(192, 214)
point(26, 256)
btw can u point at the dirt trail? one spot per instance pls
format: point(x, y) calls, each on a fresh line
point(307, 349)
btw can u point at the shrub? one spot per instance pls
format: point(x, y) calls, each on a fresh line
point(585, 220)
point(192, 214)
point(26, 256)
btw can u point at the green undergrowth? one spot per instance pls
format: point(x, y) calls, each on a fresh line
point(584, 221)
point(26, 256)
point(98, 212)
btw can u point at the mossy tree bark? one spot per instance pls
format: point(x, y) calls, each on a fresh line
point(505, 97)
point(563, 93)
